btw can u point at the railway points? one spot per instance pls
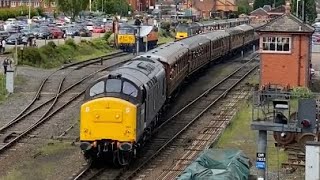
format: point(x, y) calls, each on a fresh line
point(156, 143)
point(57, 91)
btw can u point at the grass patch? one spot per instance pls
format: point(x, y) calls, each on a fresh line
point(3, 91)
point(55, 147)
point(163, 39)
point(43, 163)
point(51, 55)
point(239, 135)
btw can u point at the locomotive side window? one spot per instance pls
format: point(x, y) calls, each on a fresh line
point(97, 89)
point(113, 85)
point(129, 89)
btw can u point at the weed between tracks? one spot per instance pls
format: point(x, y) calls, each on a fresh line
point(43, 162)
point(240, 136)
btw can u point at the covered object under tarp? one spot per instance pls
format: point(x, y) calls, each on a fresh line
point(218, 164)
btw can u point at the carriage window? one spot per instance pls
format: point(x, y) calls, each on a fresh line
point(113, 85)
point(97, 89)
point(129, 89)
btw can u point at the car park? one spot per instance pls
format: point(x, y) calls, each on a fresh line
point(83, 32)
point(56, 32)
point(98, 29)
point(44, 33)
point(15, 38)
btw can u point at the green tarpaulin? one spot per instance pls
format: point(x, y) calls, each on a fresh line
point(218, 164)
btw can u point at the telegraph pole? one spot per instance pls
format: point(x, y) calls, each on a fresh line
point(90, 3)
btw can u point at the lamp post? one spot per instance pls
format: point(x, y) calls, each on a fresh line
point(29, 20)
point(137, 23)
point(297, 8)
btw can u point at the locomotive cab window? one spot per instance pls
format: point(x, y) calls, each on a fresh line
point(97, 89)
point(113, 85)
point(129, 89)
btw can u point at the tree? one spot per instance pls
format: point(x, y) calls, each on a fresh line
point(260, 3)
point(244, 7)
point(71, 7)
point(120, 7)
point(310, 12)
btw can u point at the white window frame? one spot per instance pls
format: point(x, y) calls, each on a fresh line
point(264, 37)
point(20, 3)
point(36, 4)
point(45, 5)
point(28, 4)
point(13, 4)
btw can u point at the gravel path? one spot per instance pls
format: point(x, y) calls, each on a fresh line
point(41, 153)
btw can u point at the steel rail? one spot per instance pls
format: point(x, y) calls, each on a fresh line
point(222, 95)
point(44, 118)
point(23, 113)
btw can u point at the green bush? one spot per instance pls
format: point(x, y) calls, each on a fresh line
point(107, 35)
point(51, 55)
point(6, 13)
point(301, 92)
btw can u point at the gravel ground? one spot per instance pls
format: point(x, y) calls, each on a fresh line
point(53, 159)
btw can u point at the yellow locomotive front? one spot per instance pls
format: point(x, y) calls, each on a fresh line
point(108, 118)
point(126, 38)
point(108, 124)
point(119, 113)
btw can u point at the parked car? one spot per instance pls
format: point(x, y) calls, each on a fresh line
point(72, 32)
point(27, 32)
point(56, 32)
point(4, 34)
point(83, 32)
point(44, 33)
point(98, 29)
point(15, 38)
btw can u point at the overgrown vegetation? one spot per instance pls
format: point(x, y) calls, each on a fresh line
point(6, 13)
point(240, 136)
point(3, 91)
point(51, 55)
point(301, 92)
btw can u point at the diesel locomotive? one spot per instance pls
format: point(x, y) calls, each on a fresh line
point(126, 38)
point(121, 109)
point(184, 30)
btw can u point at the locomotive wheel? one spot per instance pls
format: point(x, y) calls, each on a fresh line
point(303, 139)
point(288, 137)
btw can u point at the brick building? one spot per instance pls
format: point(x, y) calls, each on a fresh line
point(49, 7)
point(266, 13)
point(4, 3)
point(285, 51)
point(141, 5)
point(218, 7)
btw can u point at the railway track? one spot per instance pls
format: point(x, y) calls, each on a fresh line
point(45, 105)
point(173, 127)
point(296, 158)
point(177, 124)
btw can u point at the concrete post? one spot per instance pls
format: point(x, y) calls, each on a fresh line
point(138, 39)
point(147, 43)
point(261, 155)
point(10, 81)
point(312, 168)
